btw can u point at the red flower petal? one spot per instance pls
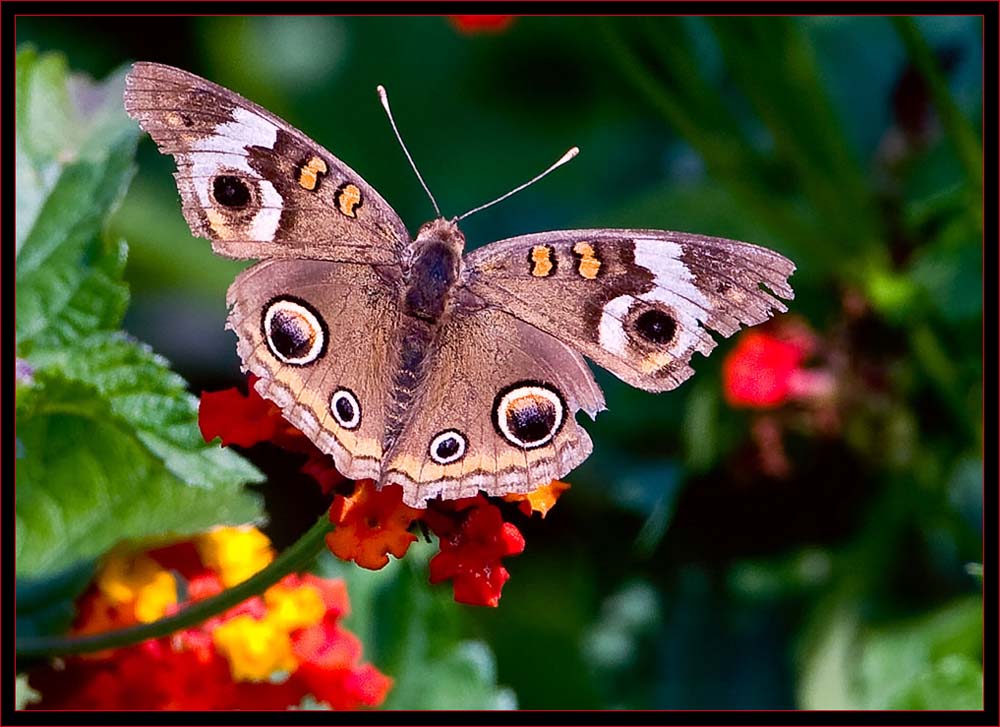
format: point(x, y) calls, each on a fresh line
point(471, 24)
point(471, 552)
point(237, 418)
point(540, 500)
point(757, 372)
point(247, 419)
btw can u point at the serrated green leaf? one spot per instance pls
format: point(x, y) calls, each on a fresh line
point(146, 397)
point(75, 147)
point(85, 481)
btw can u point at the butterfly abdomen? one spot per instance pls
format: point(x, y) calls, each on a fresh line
point(434, 269)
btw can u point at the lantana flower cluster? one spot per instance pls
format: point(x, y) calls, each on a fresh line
point(268, 652)
point(370, 524)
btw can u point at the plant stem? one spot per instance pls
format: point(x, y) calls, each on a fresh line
point(294, 558)
point(959, 130)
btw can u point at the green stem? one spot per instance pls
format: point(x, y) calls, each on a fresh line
point(959, 130)
point(292, 559)
point(727, 157)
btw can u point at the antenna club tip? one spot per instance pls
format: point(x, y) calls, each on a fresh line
point(567, 156)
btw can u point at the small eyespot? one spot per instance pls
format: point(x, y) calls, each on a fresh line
point(448, 447)
point(345, 408)
point(294, 331)
point(656, 326)
point(230, 191)
point(528, 414)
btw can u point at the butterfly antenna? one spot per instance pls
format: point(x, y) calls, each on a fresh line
point(562, 160)
point(385, 104)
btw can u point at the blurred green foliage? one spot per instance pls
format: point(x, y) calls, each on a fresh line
point(679, 572)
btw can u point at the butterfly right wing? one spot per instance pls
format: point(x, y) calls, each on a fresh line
point(253, 184)
point(320, 335)
point(636, 302)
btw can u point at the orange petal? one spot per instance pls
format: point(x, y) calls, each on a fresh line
point(540, 500)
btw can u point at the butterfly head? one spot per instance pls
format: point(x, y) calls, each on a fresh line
point(440, 232)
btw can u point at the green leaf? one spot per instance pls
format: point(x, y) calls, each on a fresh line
point(24, 694)
point(87, 479)
point(930, 662)
point(953, 682)
point(146, 396)
point(412, 632)
point(75, 147)
point(829, 657)
point(900, 666)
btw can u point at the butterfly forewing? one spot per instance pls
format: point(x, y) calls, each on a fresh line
point(637, 302)
point(254, 185)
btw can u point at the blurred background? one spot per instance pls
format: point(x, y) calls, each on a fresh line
point(811, 541)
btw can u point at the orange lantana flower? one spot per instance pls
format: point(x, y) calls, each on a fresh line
point(371, 523)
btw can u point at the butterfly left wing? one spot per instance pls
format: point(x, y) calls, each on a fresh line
point(636, 302)
point(253, 184)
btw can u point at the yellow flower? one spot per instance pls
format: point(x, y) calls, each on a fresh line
point(235, 553)
point(294, 608)
point(137, 580)
point(255, 649)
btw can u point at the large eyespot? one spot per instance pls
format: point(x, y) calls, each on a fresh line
point(448, 447)
point(294, 331)
point(346, 409)
point(528, 414)
point(656, 326)
point(231, 191)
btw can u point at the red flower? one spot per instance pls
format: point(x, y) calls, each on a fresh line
point(471, 550)
point(470, 24)
point(759, 371)
point(249, 419)
point(371, 523)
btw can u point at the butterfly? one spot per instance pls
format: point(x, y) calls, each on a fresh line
point(407, 361)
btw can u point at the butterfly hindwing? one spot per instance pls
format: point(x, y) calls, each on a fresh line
point(495, 412)
point(322, 338)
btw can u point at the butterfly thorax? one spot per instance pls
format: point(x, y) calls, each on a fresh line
point(434, 269)
point(435, 266)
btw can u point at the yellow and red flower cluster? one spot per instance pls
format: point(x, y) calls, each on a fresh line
point(372, 524)
point(268, 652)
